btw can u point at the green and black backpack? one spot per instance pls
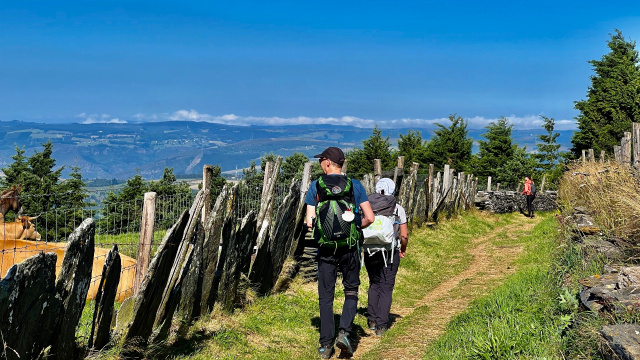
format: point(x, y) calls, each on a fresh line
point(335, 223)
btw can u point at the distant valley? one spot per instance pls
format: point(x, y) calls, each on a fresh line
point(117, 151)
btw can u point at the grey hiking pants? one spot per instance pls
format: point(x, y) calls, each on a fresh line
point(381, 282)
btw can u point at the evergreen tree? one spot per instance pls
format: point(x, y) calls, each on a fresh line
point(549, 150)
point(217, 181)
point(450, 145)
point(293, 166)
point(375, 147)
point(496, 150)
point(16, 172)
point(613, 99)
point(411, 147)
point(74, 190)
point(519, 165)
point(122, 210)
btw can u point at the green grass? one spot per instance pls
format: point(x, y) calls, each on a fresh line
point(530, 316)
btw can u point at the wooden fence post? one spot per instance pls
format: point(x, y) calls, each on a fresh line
point(377, 170)
point(635, 140)
point(429, 194)
point(306, 180)
point(207, 175)
point(265, 215)
point(592, 157)
point(398, 169)
point(344, 167)
point(544, 180)
point(488, 183)
point(617, 153)
point(498, 187)
point(625, 145)
point(602, 155)
point(146, 239)
point(446, 178)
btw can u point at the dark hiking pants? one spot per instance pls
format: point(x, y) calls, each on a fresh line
point(347, 261)
point(530, 204)
point(381, 282)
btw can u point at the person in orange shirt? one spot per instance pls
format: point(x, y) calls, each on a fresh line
point(530, 193)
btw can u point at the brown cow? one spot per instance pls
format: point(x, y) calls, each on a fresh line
point(22, 228)
point(16, 251)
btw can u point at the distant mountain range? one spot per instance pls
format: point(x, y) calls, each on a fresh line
point(116, 151)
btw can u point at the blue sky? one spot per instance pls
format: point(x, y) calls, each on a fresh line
point(395, 64)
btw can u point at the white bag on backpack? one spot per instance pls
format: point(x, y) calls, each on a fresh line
point(380, 232)
point(380, 236)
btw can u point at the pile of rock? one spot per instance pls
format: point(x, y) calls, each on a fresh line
point(616, 291)
point(501, 202)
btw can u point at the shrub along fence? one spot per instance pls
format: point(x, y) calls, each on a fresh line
point(200, 263)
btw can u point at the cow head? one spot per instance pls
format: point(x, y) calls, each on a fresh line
point(29, 230)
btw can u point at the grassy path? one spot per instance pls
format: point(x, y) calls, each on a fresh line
point(446, 268)
point(427, 320)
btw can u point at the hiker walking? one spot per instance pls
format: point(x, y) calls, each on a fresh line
point(385, 243)
point(337, 210)
point(530, 193)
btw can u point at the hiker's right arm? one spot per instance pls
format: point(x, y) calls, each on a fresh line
point(367, 214)
point(404, 239)
point(311, 213)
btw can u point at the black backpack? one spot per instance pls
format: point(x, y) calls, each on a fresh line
point(533, 188)
point(334, 226)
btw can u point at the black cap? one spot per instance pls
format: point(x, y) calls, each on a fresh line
point(332, 153)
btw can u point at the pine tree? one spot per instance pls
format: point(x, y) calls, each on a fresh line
point(519, 165)
point(375, 147)
point(450, 145)
point(15, 173)
point(613, 99)
point(496, 150)
point(411, 146)
point(293, 166)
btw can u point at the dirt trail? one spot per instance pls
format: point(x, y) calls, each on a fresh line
point(488, 267)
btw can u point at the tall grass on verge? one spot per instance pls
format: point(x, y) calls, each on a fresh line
point(523, 318)
point(608, 191)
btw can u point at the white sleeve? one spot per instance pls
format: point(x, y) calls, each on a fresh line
point(402, 214)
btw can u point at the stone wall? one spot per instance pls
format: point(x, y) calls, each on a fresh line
point(501, 202)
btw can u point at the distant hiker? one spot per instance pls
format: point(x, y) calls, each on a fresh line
point(384, 245)
point(337, 210)
point(530, 193)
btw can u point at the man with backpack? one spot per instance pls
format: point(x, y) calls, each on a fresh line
point(530, 193)
point(385, 243)
point(337, 210)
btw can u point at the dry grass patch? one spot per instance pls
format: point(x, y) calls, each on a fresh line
point(608, 191)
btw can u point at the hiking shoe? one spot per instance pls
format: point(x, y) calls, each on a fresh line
point(381, 330)
point(325, 351)
point(344, 344)
point(371, 324)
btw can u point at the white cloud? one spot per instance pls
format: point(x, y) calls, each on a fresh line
point(476, 122)
point(99, 118)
